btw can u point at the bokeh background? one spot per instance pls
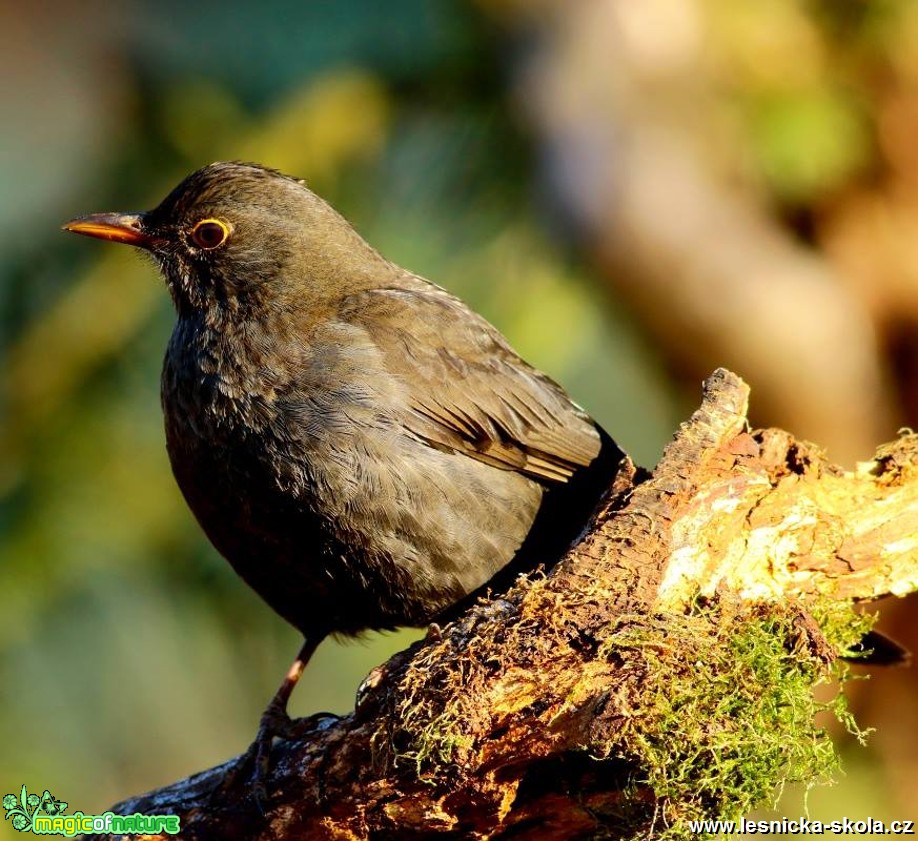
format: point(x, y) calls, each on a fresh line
point(635, 193)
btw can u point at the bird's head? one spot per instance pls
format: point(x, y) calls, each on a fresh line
point(241, 235)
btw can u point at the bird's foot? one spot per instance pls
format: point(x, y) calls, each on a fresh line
point(277, 724)
point(256, 761)
point(367, 685)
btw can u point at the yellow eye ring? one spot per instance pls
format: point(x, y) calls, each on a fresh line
point(210, 233)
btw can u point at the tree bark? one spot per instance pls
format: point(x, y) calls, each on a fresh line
point(577, 703)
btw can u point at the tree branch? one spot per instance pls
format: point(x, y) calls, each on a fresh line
point(661, 672)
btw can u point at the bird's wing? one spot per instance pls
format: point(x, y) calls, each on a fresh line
point(469, 392)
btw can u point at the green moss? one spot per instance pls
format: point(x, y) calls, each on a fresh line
point(725, 716)
point(433, 722)
point(713, 711)
point(842, 626)
point(438, 742)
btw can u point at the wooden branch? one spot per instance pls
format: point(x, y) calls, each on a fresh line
point(621, 692)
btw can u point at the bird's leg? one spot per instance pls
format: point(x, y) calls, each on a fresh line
point(276, 723)
point(274, 720)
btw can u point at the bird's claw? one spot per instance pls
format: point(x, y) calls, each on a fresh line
point(275, 724)
point(367, 685)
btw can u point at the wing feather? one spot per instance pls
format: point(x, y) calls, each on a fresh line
point(470, 393)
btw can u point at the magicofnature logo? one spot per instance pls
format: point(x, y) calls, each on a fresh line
point(45, 815)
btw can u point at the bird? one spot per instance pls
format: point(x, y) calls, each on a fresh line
point(364, 449)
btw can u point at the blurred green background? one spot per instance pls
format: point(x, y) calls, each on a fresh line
point(632, 196)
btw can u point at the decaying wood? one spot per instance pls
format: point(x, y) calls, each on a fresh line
point(508, 722)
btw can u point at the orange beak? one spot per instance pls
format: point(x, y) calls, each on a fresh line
point(116, 227)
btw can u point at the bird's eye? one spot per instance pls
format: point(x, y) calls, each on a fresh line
point(210, 233)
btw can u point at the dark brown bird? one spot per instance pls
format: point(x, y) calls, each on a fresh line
point(364, 449)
